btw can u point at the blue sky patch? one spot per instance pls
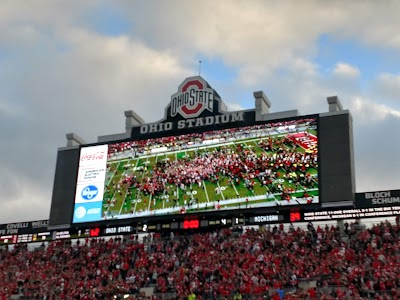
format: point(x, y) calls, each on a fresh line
point(370, 61)
point(109, 21)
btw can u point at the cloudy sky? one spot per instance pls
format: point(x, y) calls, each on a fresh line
point(76, 66)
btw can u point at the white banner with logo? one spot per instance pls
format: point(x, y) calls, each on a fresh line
point(89, 192)
point(90, 184)
point(87, 175)
point(93, 156)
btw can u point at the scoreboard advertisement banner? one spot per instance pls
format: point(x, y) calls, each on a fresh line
point(24, 232)
point(23, 227)
point(350, 213)
point(377, 199)
point(90, 184)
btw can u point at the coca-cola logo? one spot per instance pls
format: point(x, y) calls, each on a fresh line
point(93, 156)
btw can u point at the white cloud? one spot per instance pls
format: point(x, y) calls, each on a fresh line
point(369, 112)
point(234, 106)
point(346, 70)
point(85, 90)
point(387, 86)
point(260, 37)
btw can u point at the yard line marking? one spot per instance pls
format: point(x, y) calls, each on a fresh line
point(205, 190)
point(112, 176)
point(112, 197)
point(124, 195)
point(137, 162)
point(137, 198)
point(139, 189)
point(269, 193)
point(234, 187)
point(151, 199)
point(123, 202)
point(219, 188)
point(156, 158)
point(163, 203)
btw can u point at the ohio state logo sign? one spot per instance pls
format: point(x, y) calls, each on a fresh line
point(192, 98)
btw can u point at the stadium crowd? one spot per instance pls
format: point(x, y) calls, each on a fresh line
point(141, 146)
point(236, 164)
point(270, 263)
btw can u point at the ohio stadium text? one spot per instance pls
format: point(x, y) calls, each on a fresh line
point(196, 122)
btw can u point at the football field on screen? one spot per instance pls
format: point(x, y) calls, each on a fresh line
point(119, 199)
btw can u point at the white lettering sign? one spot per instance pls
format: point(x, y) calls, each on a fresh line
point(269, 218)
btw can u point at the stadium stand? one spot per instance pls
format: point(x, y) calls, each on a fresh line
point(270, 263)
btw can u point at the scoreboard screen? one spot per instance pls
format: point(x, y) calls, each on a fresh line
point(263, 165)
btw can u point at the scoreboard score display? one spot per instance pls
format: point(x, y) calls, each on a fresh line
point(25, 232)
point(202, 159)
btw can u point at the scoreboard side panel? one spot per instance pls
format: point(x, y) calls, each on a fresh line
point(337, 158)
point(64, 187)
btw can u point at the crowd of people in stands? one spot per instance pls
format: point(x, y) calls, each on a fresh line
point(171, 142)
point(238, 164)
point(270, 263)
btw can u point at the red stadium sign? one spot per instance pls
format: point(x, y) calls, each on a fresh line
point(196, 104)
point(192, 98)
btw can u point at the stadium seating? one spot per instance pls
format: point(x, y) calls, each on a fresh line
point(269, 263)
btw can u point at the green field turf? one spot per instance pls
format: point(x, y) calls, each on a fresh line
point(128, 200)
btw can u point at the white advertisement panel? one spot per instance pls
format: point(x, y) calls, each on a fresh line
point(90, 183)
point(96, 155)
point(91, 192)
point(92, 174)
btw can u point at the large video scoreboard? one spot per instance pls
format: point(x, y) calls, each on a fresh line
point(263, 165)
point(202, 159)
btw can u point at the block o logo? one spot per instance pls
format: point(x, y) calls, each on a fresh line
point(192, 98)
point(80, 212)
